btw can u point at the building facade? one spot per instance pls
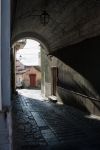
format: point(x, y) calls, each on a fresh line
point(27, 76)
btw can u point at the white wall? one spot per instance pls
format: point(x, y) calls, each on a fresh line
point(5, 52)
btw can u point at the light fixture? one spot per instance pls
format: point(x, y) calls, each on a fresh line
point(20, 57)
point(44, 17)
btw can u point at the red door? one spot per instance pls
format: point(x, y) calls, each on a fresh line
point(32, 80)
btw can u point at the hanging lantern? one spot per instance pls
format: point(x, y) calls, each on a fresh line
point(20, 57)
point(44, 18)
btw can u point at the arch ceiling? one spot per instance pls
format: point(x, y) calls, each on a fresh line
point(70, 21)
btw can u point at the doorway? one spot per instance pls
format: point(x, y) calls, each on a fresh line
point(54, 79)
point(32, 80)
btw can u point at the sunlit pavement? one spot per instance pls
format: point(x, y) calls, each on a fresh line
point(33, 94)
point(40, 124)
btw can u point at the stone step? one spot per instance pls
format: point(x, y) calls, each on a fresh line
point(53, 98)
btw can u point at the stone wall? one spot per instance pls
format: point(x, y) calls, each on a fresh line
point(71, 21)
point(73, 89)
point(78, 87)
point(83, 102)
point(84, 57)
point(46, 74)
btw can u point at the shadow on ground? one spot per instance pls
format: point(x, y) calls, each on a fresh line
point(42, 125)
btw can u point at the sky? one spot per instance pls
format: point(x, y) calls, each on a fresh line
point(29, 54)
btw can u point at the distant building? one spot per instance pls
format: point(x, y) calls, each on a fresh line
point(20, 70)
point(32, 76)
point(27, 76)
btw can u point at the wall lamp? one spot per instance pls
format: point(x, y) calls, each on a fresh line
point(44, 17)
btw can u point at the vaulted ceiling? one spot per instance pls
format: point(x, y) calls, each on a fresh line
point(70, 21)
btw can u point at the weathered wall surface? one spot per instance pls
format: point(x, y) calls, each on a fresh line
point(70, 21)
point(78, 86)
point(84, 79)
point(84, 57)
point(46, 74)
point(73, 89)
point(79, 101)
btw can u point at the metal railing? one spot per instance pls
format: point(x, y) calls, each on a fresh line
point(80, 94)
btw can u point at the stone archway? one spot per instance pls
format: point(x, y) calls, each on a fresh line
point(45, 49)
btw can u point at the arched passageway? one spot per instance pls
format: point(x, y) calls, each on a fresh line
point(40, 124)
point(67, 81)
point(67, 36)
point(19, 42)
point(69, 32)
point(28, 64)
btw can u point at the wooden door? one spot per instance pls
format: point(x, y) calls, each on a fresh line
point(54, 80)
point(32, 80)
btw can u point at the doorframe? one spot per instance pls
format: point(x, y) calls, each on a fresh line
point(54, 71)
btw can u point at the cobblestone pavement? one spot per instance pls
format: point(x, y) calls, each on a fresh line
point(40, 124)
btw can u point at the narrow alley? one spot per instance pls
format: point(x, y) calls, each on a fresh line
point(66, 35)
point(41, 124)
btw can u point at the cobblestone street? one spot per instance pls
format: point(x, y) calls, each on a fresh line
point(41, 124)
